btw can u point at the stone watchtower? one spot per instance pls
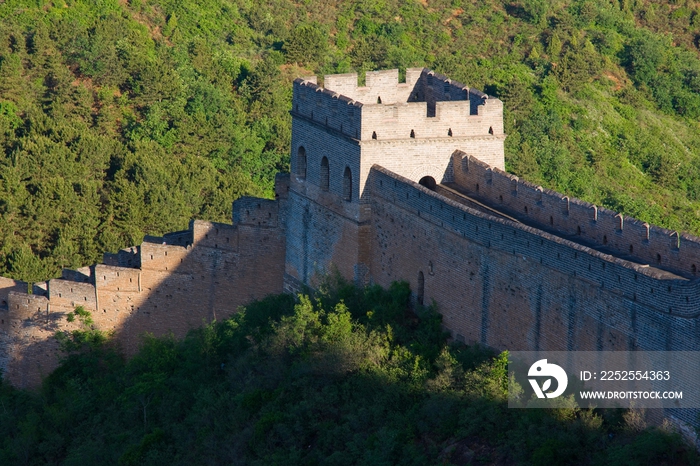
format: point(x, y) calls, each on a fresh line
point(339, 132)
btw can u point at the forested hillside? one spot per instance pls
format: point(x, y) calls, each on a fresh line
point(350, 377)
point(119, 118)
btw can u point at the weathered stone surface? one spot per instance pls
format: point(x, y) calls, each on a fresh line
point(510, 265)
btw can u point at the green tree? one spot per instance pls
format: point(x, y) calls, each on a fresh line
point(87, 337)
point(306, 45)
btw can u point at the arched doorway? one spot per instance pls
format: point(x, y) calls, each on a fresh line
point(428, 182)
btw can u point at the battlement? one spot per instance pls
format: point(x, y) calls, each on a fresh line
point(111, 278)
point(427, 105)
point(179, 238)
point(282, 181)
point(83, 274)
point(602, 228)
point(127, 257)
point(214, 235)
point(391, 181)
point(8, 285)
point(649, 286)
point(69, 294)
point(326, 108)
point(160, 257)
point(382, 84)
point(23, 306)
point(256, 212)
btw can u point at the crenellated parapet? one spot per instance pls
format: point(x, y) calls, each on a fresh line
point(655, 288)
point(256, 212)
point(380, 86)
point(27, 307)
point(326, 108)
point(69, 294)
point(603, 228)
point(390, 181)
point(165, 285)
point(427, 105)
point(8, 285)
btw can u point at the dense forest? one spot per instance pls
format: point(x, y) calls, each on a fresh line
point(120, 118)
point(347, 377)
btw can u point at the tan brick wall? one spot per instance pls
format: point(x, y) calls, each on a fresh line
point(625, 235)
point(208, 272)
point(524, 280)
point(510, 286)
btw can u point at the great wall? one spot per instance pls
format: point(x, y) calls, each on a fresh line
point(391, 181)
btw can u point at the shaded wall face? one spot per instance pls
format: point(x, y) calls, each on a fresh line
point(175, 290)
point(319, 142)
point(227, 267)
point(322, 225)
point(492, 290)
point(322, 240)
point(27, 323)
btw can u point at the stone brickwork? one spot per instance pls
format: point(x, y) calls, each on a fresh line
point(409, 128)
point(505, 284)
point(391, 181)
point(339, 132)
point(624, 235)
point(164, 286)
point(511, 265)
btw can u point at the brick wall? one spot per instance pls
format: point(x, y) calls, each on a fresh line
point(648, 244)
point(327, 108)
point(166, 285)
point(547, 272)
point(323, 237)
point(511, 286)
point(413, 131)
point(428, 111)
point(416, 158)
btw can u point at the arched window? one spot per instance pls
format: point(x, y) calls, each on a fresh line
point(428, 182)
point(301, 162)
point(374, 135)
point(324, 174)
point(347, 184)
point(413, 134)
point(421, 288)
point(490, 129)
